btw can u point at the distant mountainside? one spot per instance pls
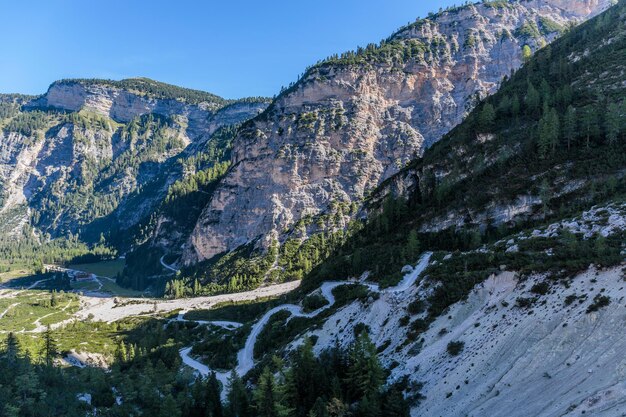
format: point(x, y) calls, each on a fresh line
point(76, 159)
point(548, 145)
point(305, 164)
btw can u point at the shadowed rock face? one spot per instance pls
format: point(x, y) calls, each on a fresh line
point(351, 123)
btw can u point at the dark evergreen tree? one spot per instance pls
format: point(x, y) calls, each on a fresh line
point(614, 122)
point(213, 402)
point(570, 129)
point(365, 375)
point(238, 399)
point(533, 101)
point(50, 350)
point(265, 395)
point(486, 118)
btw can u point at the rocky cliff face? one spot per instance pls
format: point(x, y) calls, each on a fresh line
point(123, 105)
point(62, 170)
point(355, 120)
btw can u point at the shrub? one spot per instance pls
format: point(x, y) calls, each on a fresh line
point(313, 302)
point(360, 328)
point(419, 326)
point(541, 288)
point(524, 302)
point(416, 307)
point(455, 348)
point(599, 301)
point(570, 299)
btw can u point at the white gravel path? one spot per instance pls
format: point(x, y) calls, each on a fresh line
point(245, 357)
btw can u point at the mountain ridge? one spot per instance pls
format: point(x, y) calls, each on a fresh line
point(339, 131)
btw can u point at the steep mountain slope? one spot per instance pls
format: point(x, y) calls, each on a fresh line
point(485, 278)
point(75, 154)
point(506, 323)
point(519, 310)
point(548, 144)
point(355, 120)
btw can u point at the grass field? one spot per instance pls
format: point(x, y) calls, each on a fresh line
point(15, 273)
point(108, 286)
point(111, 287)
point(103, 269)
point(29, 309)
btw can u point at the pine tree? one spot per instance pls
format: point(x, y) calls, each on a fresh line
point(555, 128)
point(169, 407)
point(11, 348)
point(548, 132)
point(543, 143)
point(369, 406)
point(533, 100)
point(365, 374)
point(213, 402)
point(486, 117)
point(50, 350)
point(304, 381)
point(265, 395)
point(504, 107)
point(121, 355)
point(319, 409)
point(394, 404)
point(545, 91)
point(590, 123)
point(515, 106)
point(570, 131)
point(613, 123)
point(412, 246)
point(238, 400)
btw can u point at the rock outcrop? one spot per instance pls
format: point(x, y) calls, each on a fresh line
point(123, 104)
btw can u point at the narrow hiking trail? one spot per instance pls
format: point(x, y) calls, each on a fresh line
point(8, 308)
point(40, 328)
point(228, 325)
point(245, 357)
point(36, 283)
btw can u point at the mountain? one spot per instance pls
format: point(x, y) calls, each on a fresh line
point(484, 277)
point(73, 159)
point(236, 191)
point(305, 164)
point(524, 207)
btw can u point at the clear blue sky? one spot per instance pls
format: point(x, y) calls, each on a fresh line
point(233, 48)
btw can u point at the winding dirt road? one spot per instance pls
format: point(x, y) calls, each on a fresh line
point(245, 357)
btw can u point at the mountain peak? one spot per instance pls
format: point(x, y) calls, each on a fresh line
point(128, 98)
